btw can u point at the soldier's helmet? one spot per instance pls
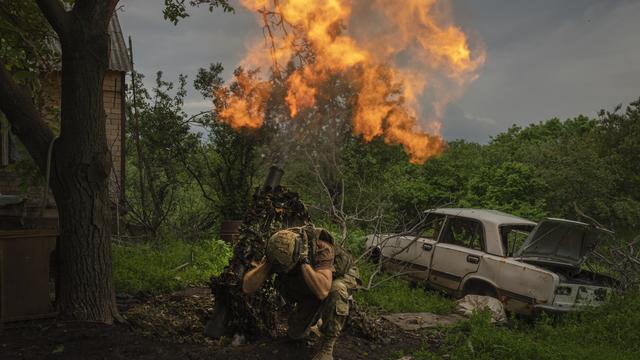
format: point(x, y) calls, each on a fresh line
point(283, 250)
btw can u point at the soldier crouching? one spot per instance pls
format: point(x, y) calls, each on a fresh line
point(314, 274)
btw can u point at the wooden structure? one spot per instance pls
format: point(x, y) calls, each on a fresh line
point(25, 288)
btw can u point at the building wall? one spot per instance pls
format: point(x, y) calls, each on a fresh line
point(113, 94)
point(113, 90)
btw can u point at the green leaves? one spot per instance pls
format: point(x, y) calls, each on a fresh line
point(175, 10)
point(25, 39)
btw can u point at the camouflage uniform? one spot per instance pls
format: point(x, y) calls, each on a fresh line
point(333, 310)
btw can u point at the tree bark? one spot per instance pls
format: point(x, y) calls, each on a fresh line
point(81, 162)
point(80, 177)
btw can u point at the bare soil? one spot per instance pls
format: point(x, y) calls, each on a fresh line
point(170, 327)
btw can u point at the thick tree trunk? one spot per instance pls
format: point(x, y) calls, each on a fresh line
point(80, 176)
point(81, 162)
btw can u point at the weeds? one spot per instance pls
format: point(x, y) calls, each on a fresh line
point(397, 295)
point(168, 265)
point(607, 332)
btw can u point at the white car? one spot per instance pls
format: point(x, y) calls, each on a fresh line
point(529, 267)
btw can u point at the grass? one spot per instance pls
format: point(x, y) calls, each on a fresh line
point(607, 332)
point(397, 295)
point(156, 268)
point(159, 267)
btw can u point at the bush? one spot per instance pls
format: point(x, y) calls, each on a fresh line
point(158, 267)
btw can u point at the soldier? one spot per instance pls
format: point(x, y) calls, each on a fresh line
point(313, 273)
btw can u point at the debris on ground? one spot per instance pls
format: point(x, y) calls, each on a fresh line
point(179, 316)
point(475, 303)
point(417, 321)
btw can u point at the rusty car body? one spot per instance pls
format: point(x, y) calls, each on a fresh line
point(529, 267)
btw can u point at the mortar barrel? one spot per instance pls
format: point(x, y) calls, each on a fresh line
point(273, 178)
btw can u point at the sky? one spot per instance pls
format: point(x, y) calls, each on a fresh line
point(545, 58)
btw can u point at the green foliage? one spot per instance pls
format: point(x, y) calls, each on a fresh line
point(607, 332)
point(181, 181)
point(394, 294)
point(157, 267)
point(175, 10)
point(160, 135)
point(355, 238)
point(225, 164)
point(25, 41)
point(511, 187)
point(537, 171)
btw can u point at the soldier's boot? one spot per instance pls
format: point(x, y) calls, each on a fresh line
point(325, 352)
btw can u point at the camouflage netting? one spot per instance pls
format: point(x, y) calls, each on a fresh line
point(254, 315)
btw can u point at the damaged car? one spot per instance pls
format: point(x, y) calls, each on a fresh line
point(529, 267)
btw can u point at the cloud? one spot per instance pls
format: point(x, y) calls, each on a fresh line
point(574, 58)
point(195, 42)
point(458, 125)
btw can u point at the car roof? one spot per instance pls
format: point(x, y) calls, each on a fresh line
point(485, 215)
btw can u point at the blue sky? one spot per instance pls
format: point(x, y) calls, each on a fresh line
point(545, 58)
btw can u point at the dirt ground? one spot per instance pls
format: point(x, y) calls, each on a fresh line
point(169, 327)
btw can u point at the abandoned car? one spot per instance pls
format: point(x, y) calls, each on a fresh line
point(529, 267)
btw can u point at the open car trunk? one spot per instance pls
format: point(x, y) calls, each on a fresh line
point(561, 243)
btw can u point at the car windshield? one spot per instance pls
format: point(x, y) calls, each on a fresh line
point(513, 237)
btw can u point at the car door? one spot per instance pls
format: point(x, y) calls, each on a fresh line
point(390, 245)
point(421, 244)
point(457, 253)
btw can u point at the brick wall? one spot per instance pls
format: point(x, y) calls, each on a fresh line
point(113, 89)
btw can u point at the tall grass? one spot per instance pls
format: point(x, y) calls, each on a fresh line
point(168, 265)
point(389, 294)
point(607, 332)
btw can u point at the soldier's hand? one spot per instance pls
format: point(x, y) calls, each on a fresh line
point(304, 251)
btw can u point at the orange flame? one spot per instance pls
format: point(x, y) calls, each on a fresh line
point(300, 94)
point(411, 43)
point(245, 109)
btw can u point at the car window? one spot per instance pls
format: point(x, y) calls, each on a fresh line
point(513, 236)
point(432, 226)
point(464, 232)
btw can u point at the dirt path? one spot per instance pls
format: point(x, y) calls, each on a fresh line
point(169, 328)
point(55, 340)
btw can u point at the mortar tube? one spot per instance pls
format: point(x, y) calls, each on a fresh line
point(273, 178)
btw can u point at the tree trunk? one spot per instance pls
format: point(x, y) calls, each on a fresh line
point(80, 175)
point(80, 163)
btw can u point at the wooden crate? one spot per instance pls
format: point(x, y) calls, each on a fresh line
point(24, 274)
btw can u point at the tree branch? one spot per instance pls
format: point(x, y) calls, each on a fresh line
point(56, 15)
point(26, 121)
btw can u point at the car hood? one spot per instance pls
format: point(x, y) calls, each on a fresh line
point(562, 242)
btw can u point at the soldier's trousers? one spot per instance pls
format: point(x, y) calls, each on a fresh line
point(333, 310)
